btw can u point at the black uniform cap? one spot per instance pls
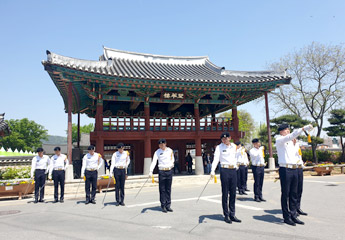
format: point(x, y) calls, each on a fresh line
point(255, 140)
point(57, 149)
point(162, 140)
point(120, 145)
point(283, 127)
point(238, 143)
point(91, 147)
point(39, 150)
point(224, 134)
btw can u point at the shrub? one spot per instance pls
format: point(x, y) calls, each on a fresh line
point(8, 173)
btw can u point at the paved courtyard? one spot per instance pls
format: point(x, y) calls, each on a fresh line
point(141, 218)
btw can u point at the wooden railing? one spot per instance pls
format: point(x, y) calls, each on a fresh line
point(164, 124)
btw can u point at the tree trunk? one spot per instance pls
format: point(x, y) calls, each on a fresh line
point(313, 149)
point(343, 150)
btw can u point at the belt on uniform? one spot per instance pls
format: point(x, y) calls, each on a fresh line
point(259, 165)
point(228, 166)
point(299, 165)
point(243, 164)
point(120, 167)
point(39, 169)
point(165, 169)
point(292, 166)
point(91, 169)
point(59, 169)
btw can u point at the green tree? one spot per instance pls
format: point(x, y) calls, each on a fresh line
point(83, 129)
point(337, 128)
point(318, 81)
point(246, 124)
point(25, 135)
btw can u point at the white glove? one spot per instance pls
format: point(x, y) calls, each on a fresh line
point(212, 174)
point(82, 176)
point(150, 175)
point(110, 175)
point(308, 128)
point(50, 178)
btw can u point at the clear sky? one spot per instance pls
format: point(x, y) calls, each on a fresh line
point(239, 35)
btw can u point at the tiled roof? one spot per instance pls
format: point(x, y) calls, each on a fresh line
point(158, 67)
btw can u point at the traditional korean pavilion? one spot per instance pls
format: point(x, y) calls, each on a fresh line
point(138, 98)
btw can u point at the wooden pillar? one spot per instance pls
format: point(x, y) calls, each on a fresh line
point(199, 168)
point(147, 141)
point(271, 162)
point(78, 140)
point(69, 123)
point(99, 115)
point(235, 122)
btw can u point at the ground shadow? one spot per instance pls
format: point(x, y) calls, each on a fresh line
point(217, 217)
point(269, 218)
point(274, 211)
point(331, 185)
point(245, 199)
point(109, 203)
point(157, 208)
point(80, 202)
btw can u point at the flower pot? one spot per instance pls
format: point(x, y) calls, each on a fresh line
point(324, 170)
point(103, 183)
point(16, 190)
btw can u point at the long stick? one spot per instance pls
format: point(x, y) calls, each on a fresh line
point(141, 188)
point(27, 188)
point(106, 190)
point(203, 190)
point(78, 188)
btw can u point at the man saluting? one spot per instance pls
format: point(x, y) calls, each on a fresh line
point(92, 162)
point(165, 157)
point(225, 153)
point(288, 171)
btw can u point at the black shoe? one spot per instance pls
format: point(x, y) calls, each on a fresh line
point(41, 200)
point(244, 193)
point(235, 219)
point(87, 201)
point(164, 210)
point(55, 201)
point(247, 190)
point(257, 199)
point(262, 200)
point(117, 204)
point(240, 193)
point(122, 204)
point(169, 209)
point(300, 212)
point(289, 222)
point(296, 220)
point(227, 220)
point(36, 201)
point(61, 200)
point(93, 201)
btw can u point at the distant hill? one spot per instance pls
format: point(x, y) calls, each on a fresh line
point(55, 140)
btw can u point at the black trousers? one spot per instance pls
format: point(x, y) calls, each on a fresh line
point(120, 177)
point(40, 180)
point(288, 183)
point(258, 173)
point(241, 178)
point(59, 178)
point(165, 181)
point(91, 179)
point(299, 187)
point(228, 179)
point(190, 169)
point(246, 177)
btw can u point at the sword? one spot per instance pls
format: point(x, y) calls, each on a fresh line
point(203, 190)
point(141, 188)
point(106, 190)
point(78, 188)
point(27, 188)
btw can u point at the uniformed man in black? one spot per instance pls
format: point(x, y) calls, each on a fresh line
point(165, 157)
point(225, 153)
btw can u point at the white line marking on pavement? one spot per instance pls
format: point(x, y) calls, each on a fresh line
point(313, 181)
point(206, 198)
point(162, 227)
point(237, 205)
